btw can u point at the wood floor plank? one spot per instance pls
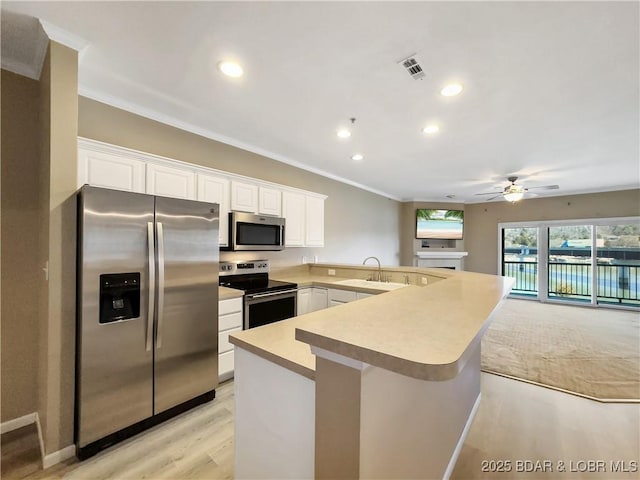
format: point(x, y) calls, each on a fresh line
point(516, 421)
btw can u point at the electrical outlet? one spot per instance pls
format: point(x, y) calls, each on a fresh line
point(315, 259)
point(424, 280)
point(332, 271)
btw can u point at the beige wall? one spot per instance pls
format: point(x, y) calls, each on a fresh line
point(481, 219)
point(60, 362)
point(408, 243)
point(39, 150)
point(357, 223)
point(21, 275)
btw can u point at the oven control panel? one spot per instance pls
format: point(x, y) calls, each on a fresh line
point(244, 267)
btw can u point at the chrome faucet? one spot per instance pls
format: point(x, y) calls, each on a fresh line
point(379, 267)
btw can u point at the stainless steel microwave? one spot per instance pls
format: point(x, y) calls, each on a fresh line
point(255, 232)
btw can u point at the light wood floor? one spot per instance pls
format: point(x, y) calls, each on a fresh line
point(515, 421)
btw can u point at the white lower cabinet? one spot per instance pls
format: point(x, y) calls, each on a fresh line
point(338, 297)
point(311, 299)
point(319, 299)
point(229, 321)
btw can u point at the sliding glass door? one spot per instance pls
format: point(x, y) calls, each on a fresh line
point(569, 263)
point(520, 259)
point(593, 262)
point(618, 264)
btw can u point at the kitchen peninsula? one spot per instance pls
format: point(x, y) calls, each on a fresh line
point(384, 387)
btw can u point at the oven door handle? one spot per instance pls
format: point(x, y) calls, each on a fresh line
point(270, 294)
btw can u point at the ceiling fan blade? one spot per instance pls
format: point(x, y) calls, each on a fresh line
point(493, 198)
point(545, 187)
point(489, 193)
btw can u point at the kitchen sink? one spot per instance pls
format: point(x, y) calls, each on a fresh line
point(356, 282)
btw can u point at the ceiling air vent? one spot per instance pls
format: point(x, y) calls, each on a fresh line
point(413, 68)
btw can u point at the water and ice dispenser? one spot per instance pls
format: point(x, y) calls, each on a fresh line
point(119, 296)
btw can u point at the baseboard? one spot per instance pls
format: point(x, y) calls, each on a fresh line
point(463, 437)
point(19, 422)
point(47, 460)
point(59, 456)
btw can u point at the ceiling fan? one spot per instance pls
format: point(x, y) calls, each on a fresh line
point(514, 192)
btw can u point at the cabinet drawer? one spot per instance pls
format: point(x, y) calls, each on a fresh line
point(231, 320)
point(230, 306)
point(223, 340)
point(225, 365)
point(341, 295)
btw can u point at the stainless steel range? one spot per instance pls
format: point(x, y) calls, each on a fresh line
point(265, 301)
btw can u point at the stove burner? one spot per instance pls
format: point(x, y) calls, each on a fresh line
point(250, 276)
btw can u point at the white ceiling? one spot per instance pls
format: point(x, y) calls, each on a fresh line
point(551, 88)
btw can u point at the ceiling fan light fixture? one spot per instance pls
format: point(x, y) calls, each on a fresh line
point(513, 197)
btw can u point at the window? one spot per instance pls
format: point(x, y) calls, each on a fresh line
point(595, 262)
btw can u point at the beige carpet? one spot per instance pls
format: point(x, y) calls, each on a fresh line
point(593, 352)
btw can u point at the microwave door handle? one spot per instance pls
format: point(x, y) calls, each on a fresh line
point(152, 285)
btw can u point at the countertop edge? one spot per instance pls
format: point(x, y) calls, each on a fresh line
point(283, 362)
point(409, 368)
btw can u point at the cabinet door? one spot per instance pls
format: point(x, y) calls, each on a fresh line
point(360, 295)
point(244, 197)
point(111, 171)
point(343, 296)
point(171, 182)
point(293, 210)
point(319, 299)
point(303, 301)
point(314, 222)
point(216, 190)
point(225, 366)
point(270, 201)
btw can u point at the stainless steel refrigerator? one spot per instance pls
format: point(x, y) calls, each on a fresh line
point(147, 319)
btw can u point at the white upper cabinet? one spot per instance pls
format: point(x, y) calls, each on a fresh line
point(244, 197)
point(314, 231)
point(110, 171)
point(171, 181)
point(214, 189)
point(293, 210)
point(304, 216)
point(270, 201)
point(104, 165)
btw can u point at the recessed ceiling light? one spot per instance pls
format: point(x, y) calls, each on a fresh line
point(231, 69)
point(344, 133)
point(357, 157)
point(431, 129)
point(451, 90)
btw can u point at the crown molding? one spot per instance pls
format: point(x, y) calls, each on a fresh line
point(65, 38)
point(174, 122)
point(32, 69)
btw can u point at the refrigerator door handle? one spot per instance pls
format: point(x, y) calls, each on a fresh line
point(160, 238)
point(152, 284)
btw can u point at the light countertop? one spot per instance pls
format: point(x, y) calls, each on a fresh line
point(419, 331)
point(225, 293)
